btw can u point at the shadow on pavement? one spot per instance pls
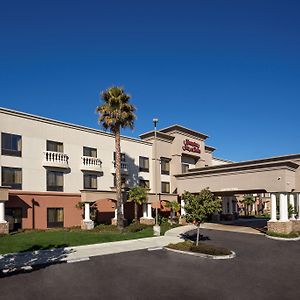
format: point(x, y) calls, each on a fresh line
point(11, 264)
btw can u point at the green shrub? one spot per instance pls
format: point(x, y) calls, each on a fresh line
point(201, 248)
point(106, 228)
point(135, 227)
point(293, 234)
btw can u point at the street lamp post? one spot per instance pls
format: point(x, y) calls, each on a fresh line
point(156, 227)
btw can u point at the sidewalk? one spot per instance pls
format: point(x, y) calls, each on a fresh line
point(25, 261)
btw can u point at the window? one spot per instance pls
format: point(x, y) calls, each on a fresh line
point(144, 164)
point(165, 187)
point(122, 156)
point(123, 181)
point(55, 146)
point(165, 166)
point(55, 217)
point(11, 144)
point(185, 168)
point(55, 181)
point(91, 152)
point(90, 181)
point(145, 183)
point(12, 177)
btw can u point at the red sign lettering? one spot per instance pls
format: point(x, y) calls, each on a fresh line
point(191, 146)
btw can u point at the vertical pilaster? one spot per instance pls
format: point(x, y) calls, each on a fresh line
point(182, 210)
point(149, 211)
point(87, 212)
point(273, 208)
point(2, 212)
point(283, 208)
point(144, 210)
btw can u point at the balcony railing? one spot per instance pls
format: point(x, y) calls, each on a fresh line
point(124, 167)
point(91, 164)
point(55, 159)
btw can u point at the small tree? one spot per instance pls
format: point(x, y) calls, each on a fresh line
point(247, 201)
point(175, 207)
point(138, 195)
point(199, 206)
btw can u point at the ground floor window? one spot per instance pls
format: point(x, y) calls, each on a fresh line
point(12, 177)
point(16, 214)
point(90, 181)
point(165, 187)
point(55, 181)
point(55, 217)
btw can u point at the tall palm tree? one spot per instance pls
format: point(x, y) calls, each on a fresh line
point(116, 112)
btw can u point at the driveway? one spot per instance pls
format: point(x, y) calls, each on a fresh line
point(263, 269)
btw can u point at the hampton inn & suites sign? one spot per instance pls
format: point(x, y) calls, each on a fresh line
point(191, 146)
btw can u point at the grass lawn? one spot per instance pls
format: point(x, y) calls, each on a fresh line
point(54, 238)
point(37, 240)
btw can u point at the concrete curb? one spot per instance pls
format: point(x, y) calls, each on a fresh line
point(277, 238)
point(230, 256)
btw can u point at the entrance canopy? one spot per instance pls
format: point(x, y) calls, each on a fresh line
point(278, 174)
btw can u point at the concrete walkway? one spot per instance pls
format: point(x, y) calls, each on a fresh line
point(16, 261)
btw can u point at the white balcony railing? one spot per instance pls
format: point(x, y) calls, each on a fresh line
point(55, 159)
point(124, 167)
point(91, 164)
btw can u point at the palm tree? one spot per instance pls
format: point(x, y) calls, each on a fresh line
point(248, 200)
point(116, 112)
point(175, 207)
point(138, 195)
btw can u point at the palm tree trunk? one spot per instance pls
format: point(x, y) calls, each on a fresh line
point(136, 212)
point(120, 216)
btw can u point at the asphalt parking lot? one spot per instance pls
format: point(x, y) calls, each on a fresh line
point(263, 269)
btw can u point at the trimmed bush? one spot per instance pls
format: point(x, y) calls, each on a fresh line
point(293, 234)
point(201, 248)
point(135, 227)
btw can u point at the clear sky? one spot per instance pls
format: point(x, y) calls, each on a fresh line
point(230, 69)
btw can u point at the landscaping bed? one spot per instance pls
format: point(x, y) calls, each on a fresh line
point(292, 235)
point(203, 248)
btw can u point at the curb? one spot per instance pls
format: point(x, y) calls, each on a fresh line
point(230, 256)
point(282, 239)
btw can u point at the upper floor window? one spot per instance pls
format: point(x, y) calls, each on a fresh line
point(90, 181)
point(165, 166)
point(91, 152)
point(144, 164)
point(165, 187)
point(145, 183)
point(12, 177)
point(55, 146)
point(11, 144)
point(55, 181)
point(185, 168)
point(122, 156)
point(123, 181)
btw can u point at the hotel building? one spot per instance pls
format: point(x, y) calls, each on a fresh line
point(57, 174)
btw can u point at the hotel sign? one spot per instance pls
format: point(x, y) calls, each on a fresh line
point(191, 146)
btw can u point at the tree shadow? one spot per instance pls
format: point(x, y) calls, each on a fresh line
point(33, 258)
point(192, 236)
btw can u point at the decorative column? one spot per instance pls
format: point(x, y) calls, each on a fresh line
point(147, 214)
point(298, 205)
point(182, 210)
point(114, 219)
point(273, 208)
point(283, 208)
point(144, 210)
point(87, 223)
point(292, 203)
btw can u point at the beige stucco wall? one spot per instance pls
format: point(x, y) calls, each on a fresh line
point(270, 180)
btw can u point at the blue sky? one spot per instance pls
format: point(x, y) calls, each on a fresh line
point(230, 69)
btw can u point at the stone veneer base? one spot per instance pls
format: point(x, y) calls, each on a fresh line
point(87, 225)
point(4, 228)
point(182, 221)
point(114, 222)
point(280, 226)
point(147, 221)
